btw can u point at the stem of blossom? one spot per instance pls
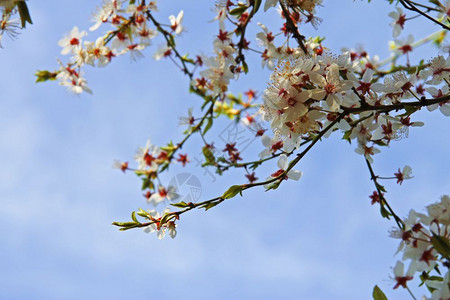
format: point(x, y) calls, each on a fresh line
point(194, 129)
point(410, 6)
point(292, 28)
point(412, 295)
point(112, 34)
point(170, 43)
point(240, 57)
point(246, 164)
point(383, 201)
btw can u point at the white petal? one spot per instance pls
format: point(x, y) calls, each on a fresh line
point(294, 174)
point(283, 162)
point(445, 109)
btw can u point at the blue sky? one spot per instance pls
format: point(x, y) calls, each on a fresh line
point(318, 238)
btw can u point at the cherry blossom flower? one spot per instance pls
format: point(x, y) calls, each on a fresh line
point(283, 164)
point(272, 145)
point(403, 45)
point(73, 80)
point(146, 157)
point(108, 9)
point(398, 23)
point(175, 23)
point(163, 194)
point(444, 107)
point(163, 51)
point(401, 278)
point(72, 41)
point(160, 229)
point(123, 166)
point(406, 173)
point(439, 69)
point(367, 151)
point(330, 88)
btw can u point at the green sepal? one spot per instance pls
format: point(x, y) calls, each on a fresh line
point(441, 245)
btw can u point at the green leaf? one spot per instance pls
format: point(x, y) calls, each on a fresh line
point(441, 245)
point(256, 5)
point(244, 67)
point(24, 13)
point(232, 191)
point(436, 278)
point(45, 75)
point(133, 217)
point(208, 125)
point(125, 224)
point(238, 11)
point(380, 143)
point(378, 294)
point(384, 212)
point(181, 204)
point(164, 219)
point(142, 213)
point(210, 205)
point(209, 156)
point(381, 187)
point(146, 183)
point(347, 136)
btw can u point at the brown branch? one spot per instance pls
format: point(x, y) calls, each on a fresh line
point(383, 200)
point(292, 28)
point(410, 6)
point(387, 108)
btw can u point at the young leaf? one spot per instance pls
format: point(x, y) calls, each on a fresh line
point(133, 216)
point(210, 205)
point(232, 191)
point(181, 204)
point(208, 125)
point(24, 13)
point(378, 294)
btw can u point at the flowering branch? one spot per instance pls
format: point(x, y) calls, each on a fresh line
point(410, 6)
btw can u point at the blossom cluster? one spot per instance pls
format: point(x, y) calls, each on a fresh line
point(132, 32)
point(157, 227)
point(308, 93)
point(424, 243)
